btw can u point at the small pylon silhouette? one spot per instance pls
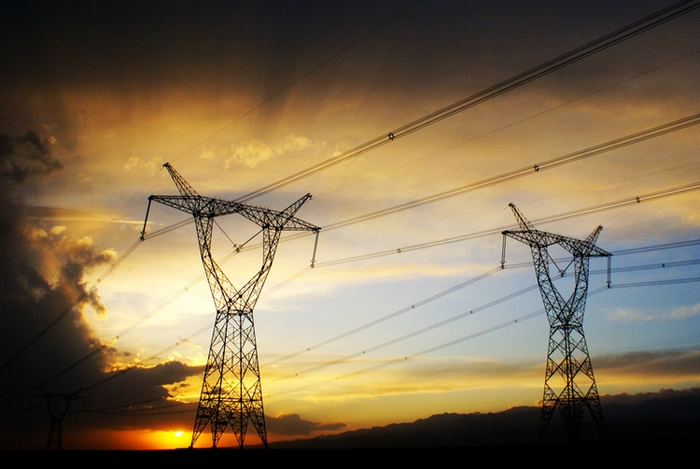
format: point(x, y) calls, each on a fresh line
point(569, 383)
point(231, 388)
point(58, 404)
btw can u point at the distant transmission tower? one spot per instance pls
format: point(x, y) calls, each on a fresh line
point(231, 389)
point(569, 382)
point(58, 404)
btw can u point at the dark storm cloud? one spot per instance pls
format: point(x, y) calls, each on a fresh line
point(151, 43)
point(41, 278)
point(292, 424)
point(26, 155)
point(434, 52)
point(45, 336)
point(234, 43)
point(124, 396)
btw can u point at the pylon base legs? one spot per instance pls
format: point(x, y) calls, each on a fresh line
point(570, 383)
point(231, 389)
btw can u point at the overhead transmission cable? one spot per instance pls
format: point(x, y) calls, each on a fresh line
point(534, 168)
point(578, 155)
point(404, 358)
point(387, 317)
point(548, 67)
point(568, 58)
point(604, 42)
point(443, 293)
point(520, 121)
point(417, 332)
point(657, 247)
point(635, 28)
point(412, 307)
point(512, 322)
point(634, 200)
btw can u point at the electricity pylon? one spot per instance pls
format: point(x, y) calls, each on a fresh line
point(569, 382)
point(58, 404)
point(231, 389)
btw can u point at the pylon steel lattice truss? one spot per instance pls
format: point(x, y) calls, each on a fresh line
point(569, 382)
point(231, 389)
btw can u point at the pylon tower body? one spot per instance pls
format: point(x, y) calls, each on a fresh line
point(231, 388)
point(569, 382)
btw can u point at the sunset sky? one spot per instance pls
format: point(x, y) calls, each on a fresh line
point(96, 96)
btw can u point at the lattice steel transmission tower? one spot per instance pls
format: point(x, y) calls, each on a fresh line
point(231, 389)
point(58, 404)
point(569, 382)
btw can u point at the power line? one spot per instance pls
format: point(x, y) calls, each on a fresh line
point(655, 283)
point(483, 332)
point(635, 200)
point(512, 124)
point(417, 332)
point(534, 168)
point(659, 130)
point(412, 307)
point(568, 58)
point(496, 302)
point(386, 318)
point(568, 158)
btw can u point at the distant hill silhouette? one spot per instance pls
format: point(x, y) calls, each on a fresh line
point(664, 416)
point(642, 428)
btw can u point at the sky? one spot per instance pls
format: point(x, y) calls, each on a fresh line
point(404, 315)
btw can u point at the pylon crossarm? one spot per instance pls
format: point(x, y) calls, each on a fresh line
point(211, 208)
point(258, 215)
point(543, 239)
point(280, 221)
point(289, 222)
point(533, 237)
point(192, 205)
point(583, 248)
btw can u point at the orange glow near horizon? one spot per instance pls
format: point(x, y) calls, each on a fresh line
point(134, 440)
